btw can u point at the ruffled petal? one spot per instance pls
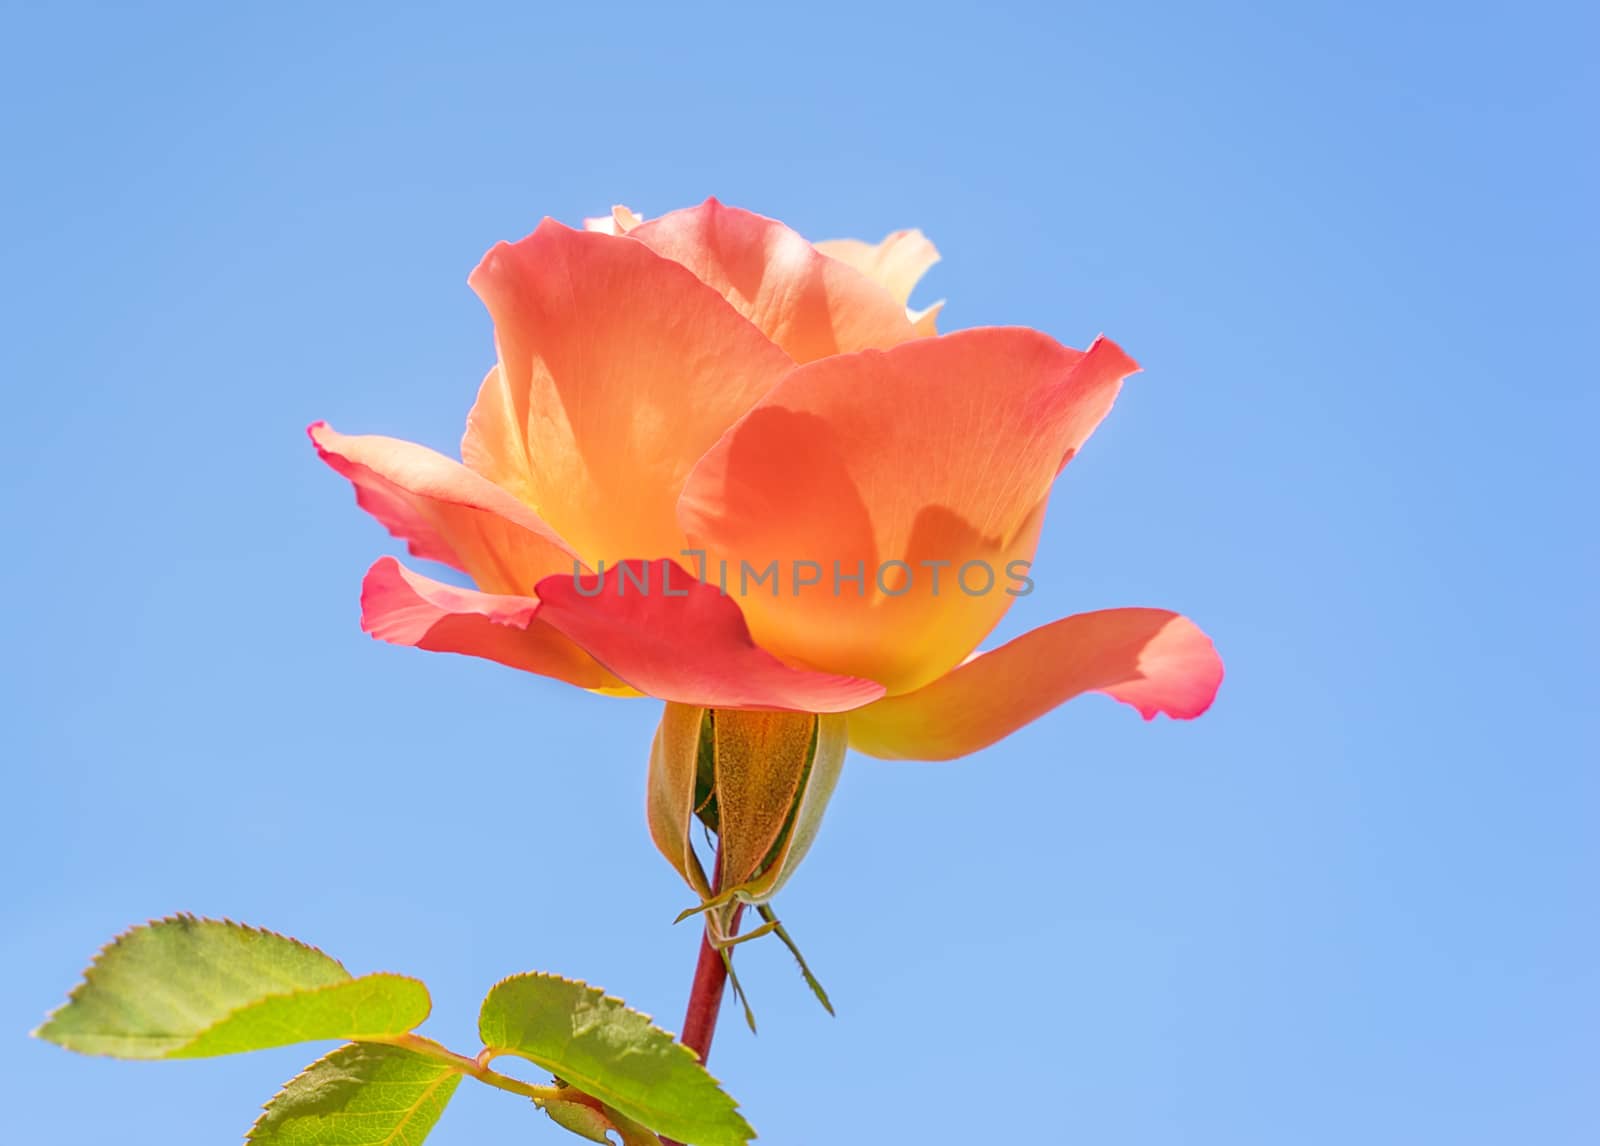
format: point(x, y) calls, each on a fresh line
point(922, 470)
point(670, 636)
point(618, 369)
point(405, 608)
point(810, 305)
point(896, 264)
point(444, 511)
point(1153, 659)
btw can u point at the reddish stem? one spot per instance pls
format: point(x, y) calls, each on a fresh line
point(705, 997)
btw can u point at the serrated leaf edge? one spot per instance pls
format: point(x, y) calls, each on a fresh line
point(88, 976)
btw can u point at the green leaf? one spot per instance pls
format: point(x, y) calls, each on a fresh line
point(602, 1048)
point(360, 1095)
point(187, 988)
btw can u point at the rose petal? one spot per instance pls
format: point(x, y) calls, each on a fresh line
point(896, 264)
point(445, 511)
point(810, 305)
point(1153, 659)
point(938, 450)
point(405, 608)
point(671, 636)
point(618, 369)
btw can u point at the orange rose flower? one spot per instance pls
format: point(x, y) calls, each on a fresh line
point(722, 466)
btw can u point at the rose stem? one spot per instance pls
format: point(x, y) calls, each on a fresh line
point(705, 996)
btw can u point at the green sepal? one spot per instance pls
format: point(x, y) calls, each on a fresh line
point(805, 970)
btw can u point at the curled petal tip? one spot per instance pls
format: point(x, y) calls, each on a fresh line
point(1152, 659)
point(400, 607)
point(1116, 357)
point(1178, 673)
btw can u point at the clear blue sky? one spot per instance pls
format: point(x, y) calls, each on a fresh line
point(1353, 245)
